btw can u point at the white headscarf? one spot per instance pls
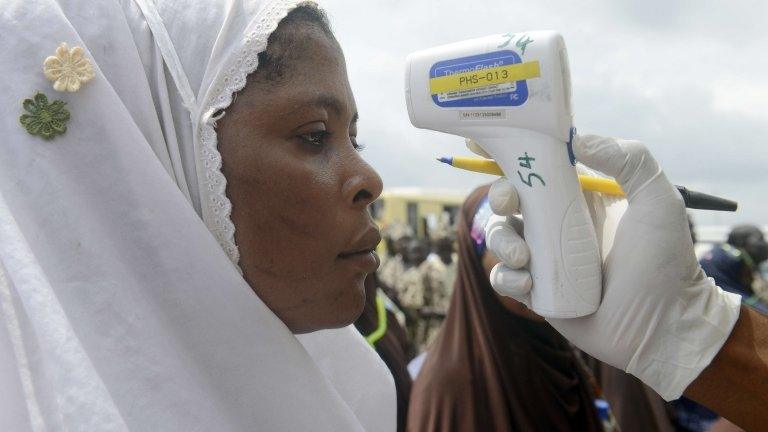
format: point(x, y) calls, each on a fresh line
point(118, 308)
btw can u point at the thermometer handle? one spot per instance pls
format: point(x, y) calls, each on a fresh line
point(565, 259)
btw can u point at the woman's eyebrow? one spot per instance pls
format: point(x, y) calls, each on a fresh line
point(325, 101)
point(331, 103)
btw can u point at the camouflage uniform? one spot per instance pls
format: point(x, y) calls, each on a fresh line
point(391, 271)
point(438, 286)
point(411, 286)
point(426, 291)
point(439, 279)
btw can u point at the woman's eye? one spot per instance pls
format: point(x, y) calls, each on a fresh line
point(358, 146)
point(315, 138)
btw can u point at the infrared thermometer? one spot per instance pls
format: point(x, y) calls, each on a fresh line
point(511, 94)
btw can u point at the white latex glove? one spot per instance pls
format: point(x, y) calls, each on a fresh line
point(661, 319)
point(475, 147)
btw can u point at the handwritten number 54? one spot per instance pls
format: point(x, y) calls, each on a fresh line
point(529, 180)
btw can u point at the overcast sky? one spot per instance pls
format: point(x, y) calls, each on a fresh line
point(689, 78)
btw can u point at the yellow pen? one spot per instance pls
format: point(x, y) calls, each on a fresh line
point(488, 166)
point(695, 200)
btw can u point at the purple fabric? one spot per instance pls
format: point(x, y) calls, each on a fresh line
point(479, 221)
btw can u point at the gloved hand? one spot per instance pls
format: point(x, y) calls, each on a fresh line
point(661, 319)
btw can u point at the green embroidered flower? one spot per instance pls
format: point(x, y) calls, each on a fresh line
point(44, 119)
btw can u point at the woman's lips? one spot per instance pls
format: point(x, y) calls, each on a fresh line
point(366, 261)
point(362, 254)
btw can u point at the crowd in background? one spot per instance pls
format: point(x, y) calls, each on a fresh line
point(464, 358)
point(418, 275)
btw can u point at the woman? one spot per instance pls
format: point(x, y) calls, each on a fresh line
point(161, 240)
point(496, 366)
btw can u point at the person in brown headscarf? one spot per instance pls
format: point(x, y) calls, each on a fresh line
point(497, 367)
point(381, 329)
point(636, 406)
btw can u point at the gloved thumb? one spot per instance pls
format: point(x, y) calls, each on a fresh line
point(503, 198)
point(629, 162)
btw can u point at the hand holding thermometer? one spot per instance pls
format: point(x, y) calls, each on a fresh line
point(511, 93)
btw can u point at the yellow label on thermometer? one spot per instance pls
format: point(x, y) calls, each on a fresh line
point(484, 77)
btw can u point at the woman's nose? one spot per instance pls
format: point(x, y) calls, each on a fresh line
point(363, 187)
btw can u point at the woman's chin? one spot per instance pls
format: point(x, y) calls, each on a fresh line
point(340, 311)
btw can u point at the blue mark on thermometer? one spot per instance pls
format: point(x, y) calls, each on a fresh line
point(571, 155)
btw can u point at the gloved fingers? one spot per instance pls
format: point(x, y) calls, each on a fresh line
point(515, 283)
point(503, 198)
point(582, 169)
point(629, 162)
point(606, 154)
point(474, 147)
point(502, 239)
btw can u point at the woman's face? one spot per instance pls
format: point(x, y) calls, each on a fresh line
point(401, 246)
point(299, 188)
point(417, 251)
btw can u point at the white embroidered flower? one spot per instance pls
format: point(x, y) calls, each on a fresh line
point(68, 69)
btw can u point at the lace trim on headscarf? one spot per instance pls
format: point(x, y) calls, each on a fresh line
point(217, 209)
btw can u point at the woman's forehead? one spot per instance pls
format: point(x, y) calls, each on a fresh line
point(299, 96)
point(310, 73)
point(299, 45)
